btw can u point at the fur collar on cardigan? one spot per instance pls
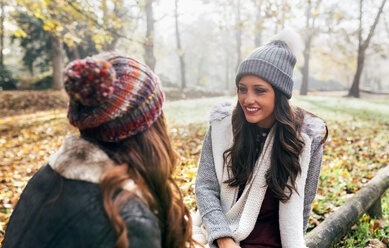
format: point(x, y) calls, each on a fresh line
point(313, 126)
point(79, 159)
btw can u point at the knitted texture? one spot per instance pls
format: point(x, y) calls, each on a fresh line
point(241, 215)
point(209, 181)
point(112, 99)
point(274, 63)
point(90, 81)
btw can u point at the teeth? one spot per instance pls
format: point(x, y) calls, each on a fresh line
point(252, 109)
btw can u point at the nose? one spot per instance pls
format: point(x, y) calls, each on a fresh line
point(250, 98)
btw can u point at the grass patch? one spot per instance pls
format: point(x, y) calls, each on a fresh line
point(195, 112)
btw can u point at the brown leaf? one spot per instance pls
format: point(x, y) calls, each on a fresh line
point(378, 224)
point(375, 243)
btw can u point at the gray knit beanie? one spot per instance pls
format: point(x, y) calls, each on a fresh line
point(273, 62)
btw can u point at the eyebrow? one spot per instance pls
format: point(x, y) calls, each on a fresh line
point(255, 85)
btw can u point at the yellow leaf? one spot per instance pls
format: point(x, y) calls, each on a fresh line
point(336, 15)
point(99, 47)
point(367, 218)
point(20, 33)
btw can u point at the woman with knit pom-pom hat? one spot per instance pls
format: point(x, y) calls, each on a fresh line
point(112, 186)
point(261, 158)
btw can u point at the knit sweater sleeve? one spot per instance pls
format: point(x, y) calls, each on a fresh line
point(208, 195)
point(312, 178)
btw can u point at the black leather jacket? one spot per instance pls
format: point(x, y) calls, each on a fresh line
point(57, 212)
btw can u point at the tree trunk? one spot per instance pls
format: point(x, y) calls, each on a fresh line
point(335, 226)
point(354, 90)
point(258, 25)
point(76, 52)
point(200, 72)
point(307, 51)
point(2, 33)
point(375, 210)
point(111, 46)
point(180, 52)
point(227, 71)
point(149, 42)
point(305, 70)
point(378, 84)
point(56, 58)
point(238, 35)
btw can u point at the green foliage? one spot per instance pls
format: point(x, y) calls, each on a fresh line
point(36, 43)
point(7, 82)
point(74, 22)
point(42, 82)
point(365, 230)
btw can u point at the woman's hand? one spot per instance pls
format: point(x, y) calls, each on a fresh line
point(227, 243)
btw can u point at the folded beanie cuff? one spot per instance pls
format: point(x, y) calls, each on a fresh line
point(268, 72)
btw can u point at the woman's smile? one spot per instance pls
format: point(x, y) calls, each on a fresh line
point(251, 110)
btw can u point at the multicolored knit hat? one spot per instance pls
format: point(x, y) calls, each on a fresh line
point(112, 99)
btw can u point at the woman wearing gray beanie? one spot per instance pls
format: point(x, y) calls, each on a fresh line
point(261, 158)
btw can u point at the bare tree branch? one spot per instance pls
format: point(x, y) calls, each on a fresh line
point(371, 32)
point(94, 21)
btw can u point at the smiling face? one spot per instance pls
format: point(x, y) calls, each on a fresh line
point(256, 97)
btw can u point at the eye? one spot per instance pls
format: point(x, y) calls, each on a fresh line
point(242, 89)
point(260, 90)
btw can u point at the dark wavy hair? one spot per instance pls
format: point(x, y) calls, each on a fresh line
point(149, 159)
point(287, 147)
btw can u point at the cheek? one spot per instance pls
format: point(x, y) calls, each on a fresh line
point(269, 103)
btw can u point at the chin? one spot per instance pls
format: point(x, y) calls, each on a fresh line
point(252, 120)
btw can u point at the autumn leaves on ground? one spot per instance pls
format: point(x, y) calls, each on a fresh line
point(356, 149)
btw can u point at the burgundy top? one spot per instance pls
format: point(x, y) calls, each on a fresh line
point(266, 232)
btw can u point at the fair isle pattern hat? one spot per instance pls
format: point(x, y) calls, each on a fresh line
point(112, 99)
point(273, 62)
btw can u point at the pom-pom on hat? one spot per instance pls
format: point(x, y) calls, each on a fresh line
point(273, 62)
point(90, 81)
point(113, 98)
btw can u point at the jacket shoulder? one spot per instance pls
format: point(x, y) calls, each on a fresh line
point(221, 110)
point(313, 126)
point(142, 225)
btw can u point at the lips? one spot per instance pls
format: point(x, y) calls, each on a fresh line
point(251, 110)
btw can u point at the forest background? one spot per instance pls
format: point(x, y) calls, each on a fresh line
point(195, 47)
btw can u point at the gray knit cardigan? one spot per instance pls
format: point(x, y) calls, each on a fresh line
point(207, 187)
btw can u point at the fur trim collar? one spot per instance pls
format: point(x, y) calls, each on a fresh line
point(221, 110)
point(79, 159)
point(313, 126)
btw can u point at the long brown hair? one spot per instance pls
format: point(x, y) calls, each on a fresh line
point(288, 144)
point(149, 159)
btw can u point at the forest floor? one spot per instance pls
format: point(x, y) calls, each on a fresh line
point(357, 148)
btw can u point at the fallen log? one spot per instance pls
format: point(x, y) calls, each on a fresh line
point(336, 225)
